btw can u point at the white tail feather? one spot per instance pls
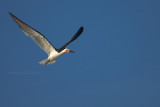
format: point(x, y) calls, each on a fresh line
point(46, 62)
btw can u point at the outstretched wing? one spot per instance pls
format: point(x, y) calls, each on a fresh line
point(73, 38)
point(35, 35)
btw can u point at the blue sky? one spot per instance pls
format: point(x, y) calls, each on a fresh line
point(117, 57)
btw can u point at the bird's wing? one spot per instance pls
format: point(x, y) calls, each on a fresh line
point(73, 38)
point(35, 35)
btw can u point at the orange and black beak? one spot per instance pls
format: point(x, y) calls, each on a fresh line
point(68, 50)
point(72, 51)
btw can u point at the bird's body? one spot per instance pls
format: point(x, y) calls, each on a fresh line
point(52, 57)
point(43, 43)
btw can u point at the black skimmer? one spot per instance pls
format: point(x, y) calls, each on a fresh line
point(43, 43)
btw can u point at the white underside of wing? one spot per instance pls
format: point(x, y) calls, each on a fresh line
point(35, 35)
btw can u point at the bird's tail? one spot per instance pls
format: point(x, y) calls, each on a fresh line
point(46, 62)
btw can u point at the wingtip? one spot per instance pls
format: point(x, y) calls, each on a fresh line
point(13, 16)
point(10, 14)
point(81, 29)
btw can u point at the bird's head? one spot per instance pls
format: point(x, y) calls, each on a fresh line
point(68, 50)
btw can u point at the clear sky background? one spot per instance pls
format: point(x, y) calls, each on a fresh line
point(117, 59)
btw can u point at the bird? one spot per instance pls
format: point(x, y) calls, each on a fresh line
point(44, 44)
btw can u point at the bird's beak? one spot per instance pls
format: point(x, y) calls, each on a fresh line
point(71, 51)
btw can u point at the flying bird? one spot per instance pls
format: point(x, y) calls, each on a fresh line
point(43, 43)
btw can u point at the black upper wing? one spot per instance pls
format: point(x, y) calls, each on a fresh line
point(73, 38)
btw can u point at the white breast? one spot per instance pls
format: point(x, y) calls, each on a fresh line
point(54, 55)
